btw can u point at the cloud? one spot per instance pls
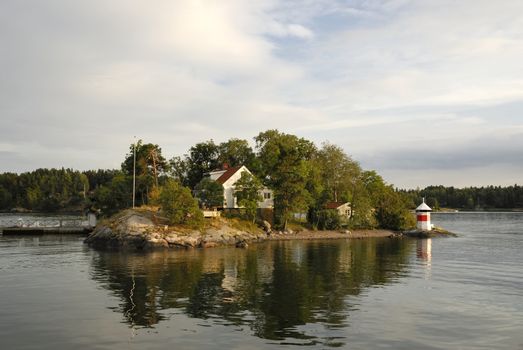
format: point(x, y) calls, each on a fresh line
point(290, 30)
point(80, 79)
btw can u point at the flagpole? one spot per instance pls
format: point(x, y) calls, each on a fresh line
point(134, 170)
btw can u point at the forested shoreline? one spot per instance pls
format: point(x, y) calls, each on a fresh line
point(469, 198)
point(304, 178)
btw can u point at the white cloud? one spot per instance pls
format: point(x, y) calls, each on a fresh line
point(370, 75)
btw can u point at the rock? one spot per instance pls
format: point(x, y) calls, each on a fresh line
point(156, 243)
point(134, 224)
point(266, 226)
point(436, 232)
point(171, 238)
point(242, 244)
point(182, 241)
point(204, 244)
point(395, 235)
point(134, 229)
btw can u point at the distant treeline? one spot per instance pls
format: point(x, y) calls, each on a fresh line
point(51, 190)
point(471, 198)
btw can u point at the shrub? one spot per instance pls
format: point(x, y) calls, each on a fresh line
point(179, 206)
point(325, 219)
point(209, 193)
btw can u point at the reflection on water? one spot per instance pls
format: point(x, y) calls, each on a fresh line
point(273, 289)
point(424, 253)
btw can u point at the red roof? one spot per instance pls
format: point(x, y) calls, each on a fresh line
point(226, 175)
point(333, 205)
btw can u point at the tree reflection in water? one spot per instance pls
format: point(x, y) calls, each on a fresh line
point(274, 288)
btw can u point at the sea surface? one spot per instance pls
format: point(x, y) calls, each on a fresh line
point(447, 293)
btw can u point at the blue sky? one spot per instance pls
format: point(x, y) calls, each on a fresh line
point(425, 92)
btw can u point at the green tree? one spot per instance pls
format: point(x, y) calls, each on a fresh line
point(202, 158)
point(338, 172)
point(114, 196)
point(150, 164)
point(338, 180)
point(209, 193)
point(6, 199)
point(237, 152)
point(178, 205)
point(286, 168)
point(248, 193)
point(391, 209)
point(178, 169)
point(325, 219)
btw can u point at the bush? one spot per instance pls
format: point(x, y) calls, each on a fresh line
point(179, 206)
point(325, 219)
point(392, 212)
point(209, 193)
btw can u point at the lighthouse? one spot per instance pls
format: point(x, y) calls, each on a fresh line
point(423, 217)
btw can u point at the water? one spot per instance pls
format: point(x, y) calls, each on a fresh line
point(460, 293)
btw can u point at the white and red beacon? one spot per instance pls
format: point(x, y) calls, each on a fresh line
point(423, 217)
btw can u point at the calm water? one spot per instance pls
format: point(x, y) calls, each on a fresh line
point(462, 293)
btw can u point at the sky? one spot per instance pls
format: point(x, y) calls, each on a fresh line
point(424, 92)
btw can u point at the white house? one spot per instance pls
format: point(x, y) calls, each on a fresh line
point(344, 209)
point(227, 178)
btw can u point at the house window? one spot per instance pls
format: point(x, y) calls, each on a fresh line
point(266, 195)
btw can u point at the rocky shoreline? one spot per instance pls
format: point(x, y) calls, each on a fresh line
point(143, 230)
point(435, 232)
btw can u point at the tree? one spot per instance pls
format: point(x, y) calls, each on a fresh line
point(6, 199)
point(150, 164)
point(114, 196)
point(237, 152)
point(338, 172)
point(286, 167)
point(327, 219)
point(178, 205)
point(209, 193)
point(178, 169)
point(202, 158)
point(336, 177)
point(248, 193)
point(391, 209)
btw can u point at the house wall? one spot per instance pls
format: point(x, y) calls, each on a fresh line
point(230, 199)
point(268, 199)
point(344, 210)
point(228, 188)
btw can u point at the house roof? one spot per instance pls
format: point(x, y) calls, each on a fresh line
point(227, 174)
point(334, 205)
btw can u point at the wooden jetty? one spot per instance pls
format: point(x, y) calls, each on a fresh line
point(31, 226)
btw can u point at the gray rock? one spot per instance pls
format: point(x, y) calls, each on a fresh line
point(266, 226)
point(242, 244)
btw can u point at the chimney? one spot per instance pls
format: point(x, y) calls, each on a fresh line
point(225, 166)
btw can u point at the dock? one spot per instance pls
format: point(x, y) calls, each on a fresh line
point(28, 226)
